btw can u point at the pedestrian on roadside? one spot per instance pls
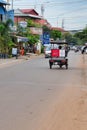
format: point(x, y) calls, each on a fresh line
point(34, 48)
point(22, 51)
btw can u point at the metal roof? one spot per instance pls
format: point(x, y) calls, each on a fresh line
point(4, 2)
point(19, 13)
point(58, 42)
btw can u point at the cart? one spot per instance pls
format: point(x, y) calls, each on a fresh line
point(59, 52)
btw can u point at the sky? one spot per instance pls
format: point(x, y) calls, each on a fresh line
point(68, 14)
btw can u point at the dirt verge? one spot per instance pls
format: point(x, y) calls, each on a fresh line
point(71, 112)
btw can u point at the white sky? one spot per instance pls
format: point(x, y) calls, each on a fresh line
point(72, 14)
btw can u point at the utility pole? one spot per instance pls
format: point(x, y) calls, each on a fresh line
point(7, 5)
point(57, 23)
point(42, 10)
point(12, 5)
point(35, 7)
point(63, 23)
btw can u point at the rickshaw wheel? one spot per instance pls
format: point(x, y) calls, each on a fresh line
point(50, 66)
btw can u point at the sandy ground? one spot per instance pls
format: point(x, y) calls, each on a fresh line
point(71, 112)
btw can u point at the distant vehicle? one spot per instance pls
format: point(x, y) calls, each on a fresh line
point(76, 49)
point(84, 49)
point(47, 52)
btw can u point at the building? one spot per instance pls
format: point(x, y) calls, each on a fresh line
point(43, 22)
point(23, 14)
point(59, 29)
point(3, 10)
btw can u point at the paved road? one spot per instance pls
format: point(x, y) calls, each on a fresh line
point(29, 89)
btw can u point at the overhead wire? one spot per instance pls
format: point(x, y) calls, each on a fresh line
point(67, 2)
point(51, 3)
point(72, 11)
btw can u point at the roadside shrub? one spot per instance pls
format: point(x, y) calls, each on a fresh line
point(42, 49)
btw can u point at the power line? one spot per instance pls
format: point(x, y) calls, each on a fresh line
point(66, 3)
point(62, 3)
point(67, 12)
point(51, 3)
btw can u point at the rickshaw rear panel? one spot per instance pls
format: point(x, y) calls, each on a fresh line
point(58, 55)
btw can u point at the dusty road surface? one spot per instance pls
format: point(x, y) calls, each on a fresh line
point(70, 112)
point(33, 97)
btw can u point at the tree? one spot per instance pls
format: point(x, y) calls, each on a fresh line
point(70, 38)
point(55, 34)
point(46, 29)
point(20, 30)
point(82, 36)
point(33, 39)
point(2, 28)
point(5, 39)
point(31, 23)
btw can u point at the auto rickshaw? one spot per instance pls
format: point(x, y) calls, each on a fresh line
point(59, 52)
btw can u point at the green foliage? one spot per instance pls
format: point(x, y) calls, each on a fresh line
point(5, 39)
point(5, 27)
point(2, 28)
point(46, 29)
point(42, 49)
point(33, 38)
point(19, 30)
point(55, 34)
point(70, 38)
point(82, 36)
point(26, 33)
point(31, 23)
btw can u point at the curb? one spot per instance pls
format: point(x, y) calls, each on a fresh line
point(4, 62)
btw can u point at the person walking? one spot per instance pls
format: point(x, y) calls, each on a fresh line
point(22, 51)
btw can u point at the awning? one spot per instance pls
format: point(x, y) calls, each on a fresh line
point(3, 2)
point(22, 39)
point(2, 10)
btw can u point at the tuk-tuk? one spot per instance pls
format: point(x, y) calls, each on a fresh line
point(59, 52)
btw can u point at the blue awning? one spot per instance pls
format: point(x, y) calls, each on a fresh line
point(22, 39)
point(2, 10)
point(4, 2)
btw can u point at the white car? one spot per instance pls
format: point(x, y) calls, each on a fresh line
point(47, 52)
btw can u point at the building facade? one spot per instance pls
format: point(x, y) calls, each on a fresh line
point(3, 10)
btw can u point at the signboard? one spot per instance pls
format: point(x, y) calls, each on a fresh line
point(62, 53)
point(23, 24)
point(13, 28)
point(35, 30)
point(14, 51)
point(46, 38)
point(10, 15)
point(57, 53)
point(22, 39)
